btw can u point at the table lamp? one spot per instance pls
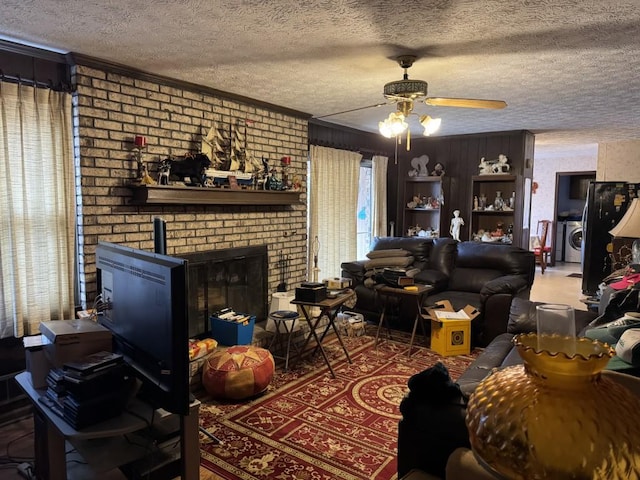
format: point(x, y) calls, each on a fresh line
point(629, 227)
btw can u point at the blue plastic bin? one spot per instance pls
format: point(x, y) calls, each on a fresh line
point(232, 333)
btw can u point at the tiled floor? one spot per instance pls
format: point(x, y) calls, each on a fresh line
point(555, 286)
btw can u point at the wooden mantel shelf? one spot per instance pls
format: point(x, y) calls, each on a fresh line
point(178, 195)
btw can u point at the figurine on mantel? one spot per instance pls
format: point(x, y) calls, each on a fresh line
point(145, 178)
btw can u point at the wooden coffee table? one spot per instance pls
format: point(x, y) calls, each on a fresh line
point(419, 294)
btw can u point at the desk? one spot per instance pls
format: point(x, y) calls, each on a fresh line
point(329, 307)
point(103, 445)
point(386, 291)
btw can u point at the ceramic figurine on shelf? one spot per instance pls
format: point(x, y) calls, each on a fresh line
point(419, 165)
point(438, 170)
point(498, 203)
point(456, 223)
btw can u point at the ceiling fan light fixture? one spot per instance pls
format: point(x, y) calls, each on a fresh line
point(393, 125)
point(430, 125)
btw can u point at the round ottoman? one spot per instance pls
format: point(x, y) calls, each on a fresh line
point(238, 372)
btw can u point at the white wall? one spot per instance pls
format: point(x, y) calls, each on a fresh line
point(547, 162)
point(619, 161)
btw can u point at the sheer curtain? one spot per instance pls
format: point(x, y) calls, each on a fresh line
point(333, 204)
point(379, 200)
point(37, 208)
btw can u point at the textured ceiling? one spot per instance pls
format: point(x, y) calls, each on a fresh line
point(568, 69)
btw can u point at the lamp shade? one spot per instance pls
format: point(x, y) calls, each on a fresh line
point(629, 226)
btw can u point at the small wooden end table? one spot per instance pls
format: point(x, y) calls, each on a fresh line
point(419, 294)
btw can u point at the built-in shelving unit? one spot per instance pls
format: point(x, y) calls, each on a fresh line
point(428, 190)
point(487, 217)
point(179, 195)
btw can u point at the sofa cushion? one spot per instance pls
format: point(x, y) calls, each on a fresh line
point(492, 357)
point(432, 277)
point(504, 284)
point(443, 255)
point(472, 279)
point(392, 252)
point(522, 316)
point(420, 248)
point(388, 262)
point(458, 300)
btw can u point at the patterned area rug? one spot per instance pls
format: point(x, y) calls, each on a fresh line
point(309, 425)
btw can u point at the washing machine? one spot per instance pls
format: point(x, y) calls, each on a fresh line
point(573, 241)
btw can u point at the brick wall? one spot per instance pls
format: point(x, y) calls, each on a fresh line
point(112, 108)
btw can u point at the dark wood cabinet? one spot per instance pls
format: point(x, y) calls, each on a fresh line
point(461, 156)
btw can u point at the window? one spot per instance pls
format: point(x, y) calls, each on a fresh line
point(37, 211)
point(364, 216)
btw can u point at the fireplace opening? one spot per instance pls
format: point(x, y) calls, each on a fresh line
point(234, 277)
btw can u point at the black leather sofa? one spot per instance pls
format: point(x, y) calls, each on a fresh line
point(484, 275)
point(433, 424)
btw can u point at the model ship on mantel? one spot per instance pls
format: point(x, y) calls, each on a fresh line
point(228, 157)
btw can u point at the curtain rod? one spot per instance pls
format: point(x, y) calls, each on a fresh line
point(32, 82)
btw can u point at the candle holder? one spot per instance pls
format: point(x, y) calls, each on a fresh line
point(140, 143)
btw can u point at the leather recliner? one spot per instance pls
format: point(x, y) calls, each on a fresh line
point(485, 275)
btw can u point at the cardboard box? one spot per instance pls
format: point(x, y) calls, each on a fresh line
point(70, 340)
point(451, 336)
point(230, 333)
point(337, 283)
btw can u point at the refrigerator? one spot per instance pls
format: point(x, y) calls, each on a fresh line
point(606, 204)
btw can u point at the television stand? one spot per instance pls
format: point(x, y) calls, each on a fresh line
point(106, 446)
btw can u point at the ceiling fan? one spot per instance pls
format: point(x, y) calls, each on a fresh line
point(404, 93)
point(407, 90)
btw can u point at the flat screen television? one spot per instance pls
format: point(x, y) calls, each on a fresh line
point(144, 303)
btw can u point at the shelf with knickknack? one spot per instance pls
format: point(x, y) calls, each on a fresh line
point(423, 198)
point(496, 211)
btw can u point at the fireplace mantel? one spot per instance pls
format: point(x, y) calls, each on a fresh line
point(172, 195)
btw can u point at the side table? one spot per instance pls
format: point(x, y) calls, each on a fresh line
point(419, 293)
point(287, 320)
point(329, 308)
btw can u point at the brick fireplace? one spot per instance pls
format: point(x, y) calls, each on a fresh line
point(112, 106)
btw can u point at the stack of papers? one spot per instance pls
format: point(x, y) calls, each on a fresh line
point(459, 315)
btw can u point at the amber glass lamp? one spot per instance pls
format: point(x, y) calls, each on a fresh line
point(556, 416)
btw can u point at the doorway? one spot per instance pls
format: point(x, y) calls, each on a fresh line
point(570, 198)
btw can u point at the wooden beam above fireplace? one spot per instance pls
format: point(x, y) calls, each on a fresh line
point(178, 195)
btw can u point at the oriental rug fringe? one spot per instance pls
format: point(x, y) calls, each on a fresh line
point(309, 425)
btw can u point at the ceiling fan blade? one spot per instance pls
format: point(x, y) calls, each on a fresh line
point(465, 102)
point(353, 110)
